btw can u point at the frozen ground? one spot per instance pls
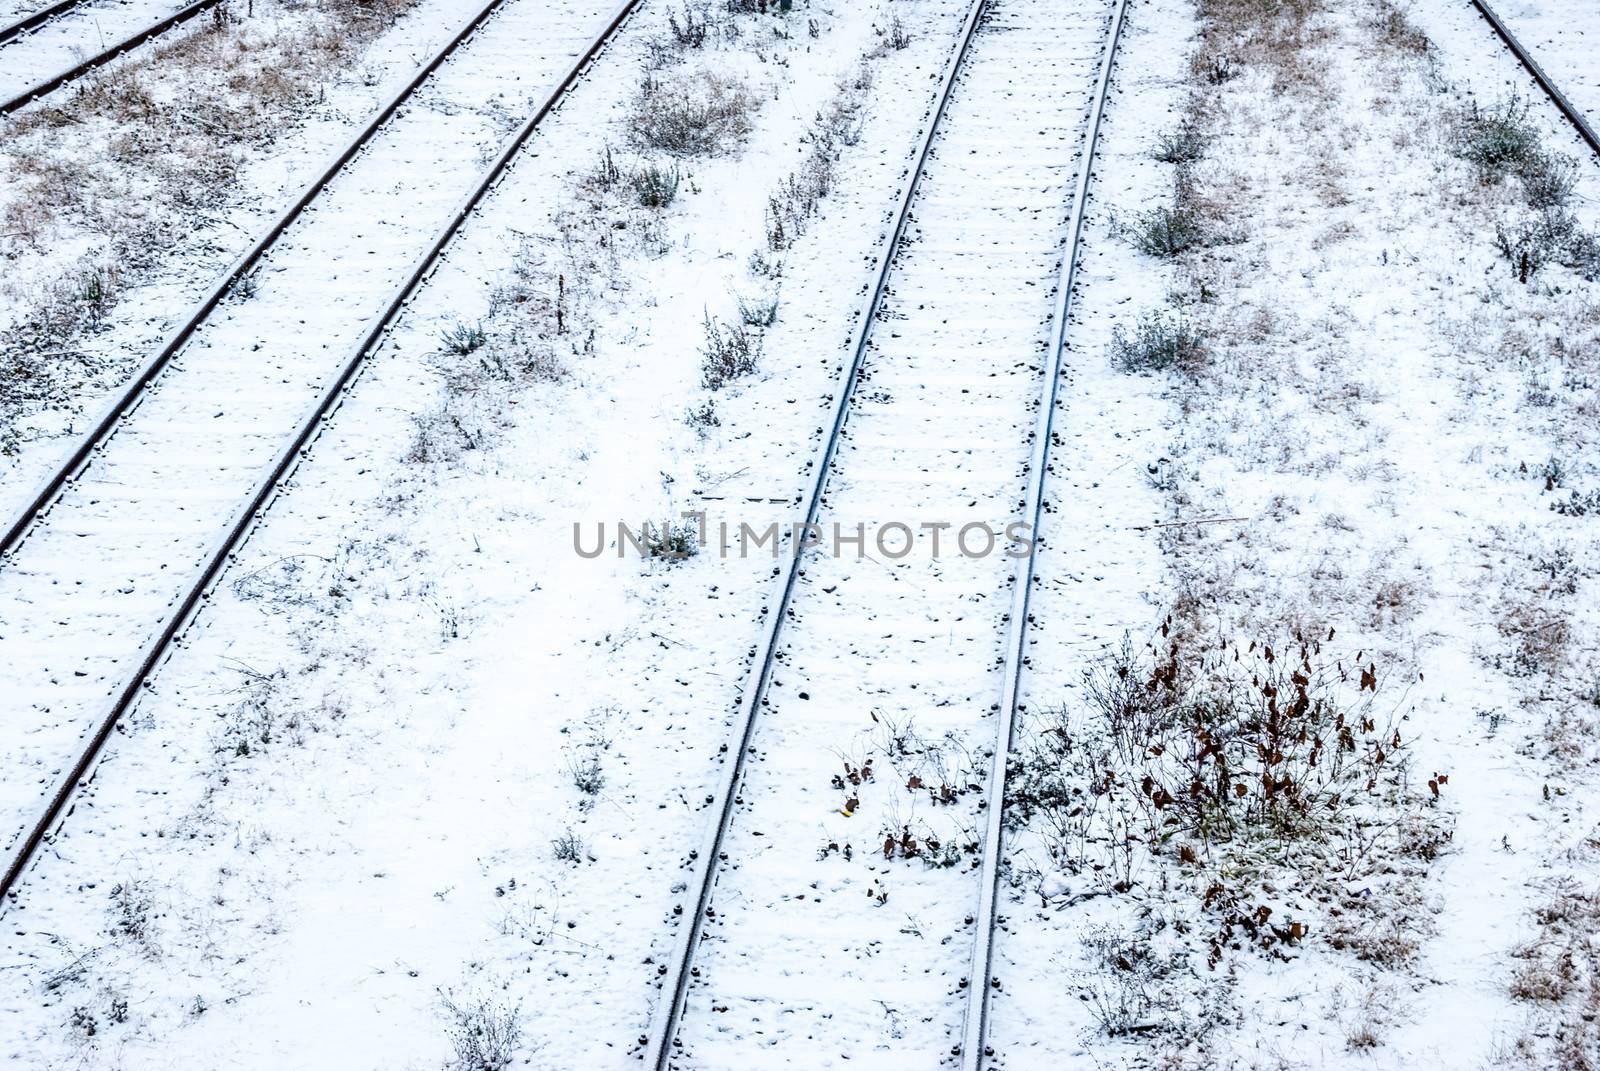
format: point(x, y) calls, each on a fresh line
point(86, 30)
point(133, 529)
point(421, 781)
point(1563, 38)
point(154, 215)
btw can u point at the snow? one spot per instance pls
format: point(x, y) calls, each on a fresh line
point(271, 176)
point(70, 38)
point(655, 335)
point(120, 544)
point(880, 649)
point(334, 815)
point(1562, 41)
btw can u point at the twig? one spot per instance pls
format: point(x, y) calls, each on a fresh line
point(1180, 524)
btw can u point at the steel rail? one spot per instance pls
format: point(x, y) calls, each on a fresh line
point(659, 1043)
point(55, 82)
point(297, 449)
point(134, 392)
point(974, 1045)
point(35, 20)
point(1565, 106)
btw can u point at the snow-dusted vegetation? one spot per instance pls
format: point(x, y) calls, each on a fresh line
point(1308, 703)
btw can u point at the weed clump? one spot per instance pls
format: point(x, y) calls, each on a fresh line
point(1212, 752)
point(671, 542)
point(703, 114)
point(568, 848)
point(759, 311)
point(703, 418)
point(1497, 140)
point(1547, 180)
point(1183, 145)
point(462, 338)
point(588, 776)
point(484, 1033)
point(691, 33)
point(1395, 29)
point(730, 353)
point(1167, 232)
point(1157, 344)
point(656, 186)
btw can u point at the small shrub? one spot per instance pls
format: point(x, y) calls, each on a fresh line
point(1131, 990)
point(1582, 255)
point(729, 354)
point(1158, 344)
point(1184, 145)
point(1578, 505)
point(671, 542)
point(1201, 749)
point(791, 207)
point(1537, 636)
point(704, 418)
point(83, 1022)
point(758, 312)
point(483, 1033)
point(1498, 140)
point(699, 115)
point(587, 776)
point(1216, 69)
point(568, 848)
point(1167, 232)
point(606, 173)
point(1547, 180)
point(765, 267)
point(245, 286)
point(656, 186)
point(690, 33)
point(462, 338)
point(97, 289)
point(1536, 242)
point(897, 36)
point(1545, 979)
point(130, 914)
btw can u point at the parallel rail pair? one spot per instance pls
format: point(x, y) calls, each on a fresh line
point(43, 17)
point(195, 588)
point(662, 1046)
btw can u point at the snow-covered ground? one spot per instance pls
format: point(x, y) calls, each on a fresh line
point(422, 782)
point(1563, 39)
point(132, 530)
point(870, 738)
point(70, 38)
point(100, 188)
point(1358, 460)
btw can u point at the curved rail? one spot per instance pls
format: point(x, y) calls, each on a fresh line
point(1558, 98)
point(129, 399)
point(50, 85)
point(29, 23)
point(219, 558)
point(660, 1042)
point(974, 1047)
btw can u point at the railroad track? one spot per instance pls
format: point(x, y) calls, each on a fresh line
point(944, 415)
point(57, 35)
point(1585, 131)
point(33, 20)
point(110, 563)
